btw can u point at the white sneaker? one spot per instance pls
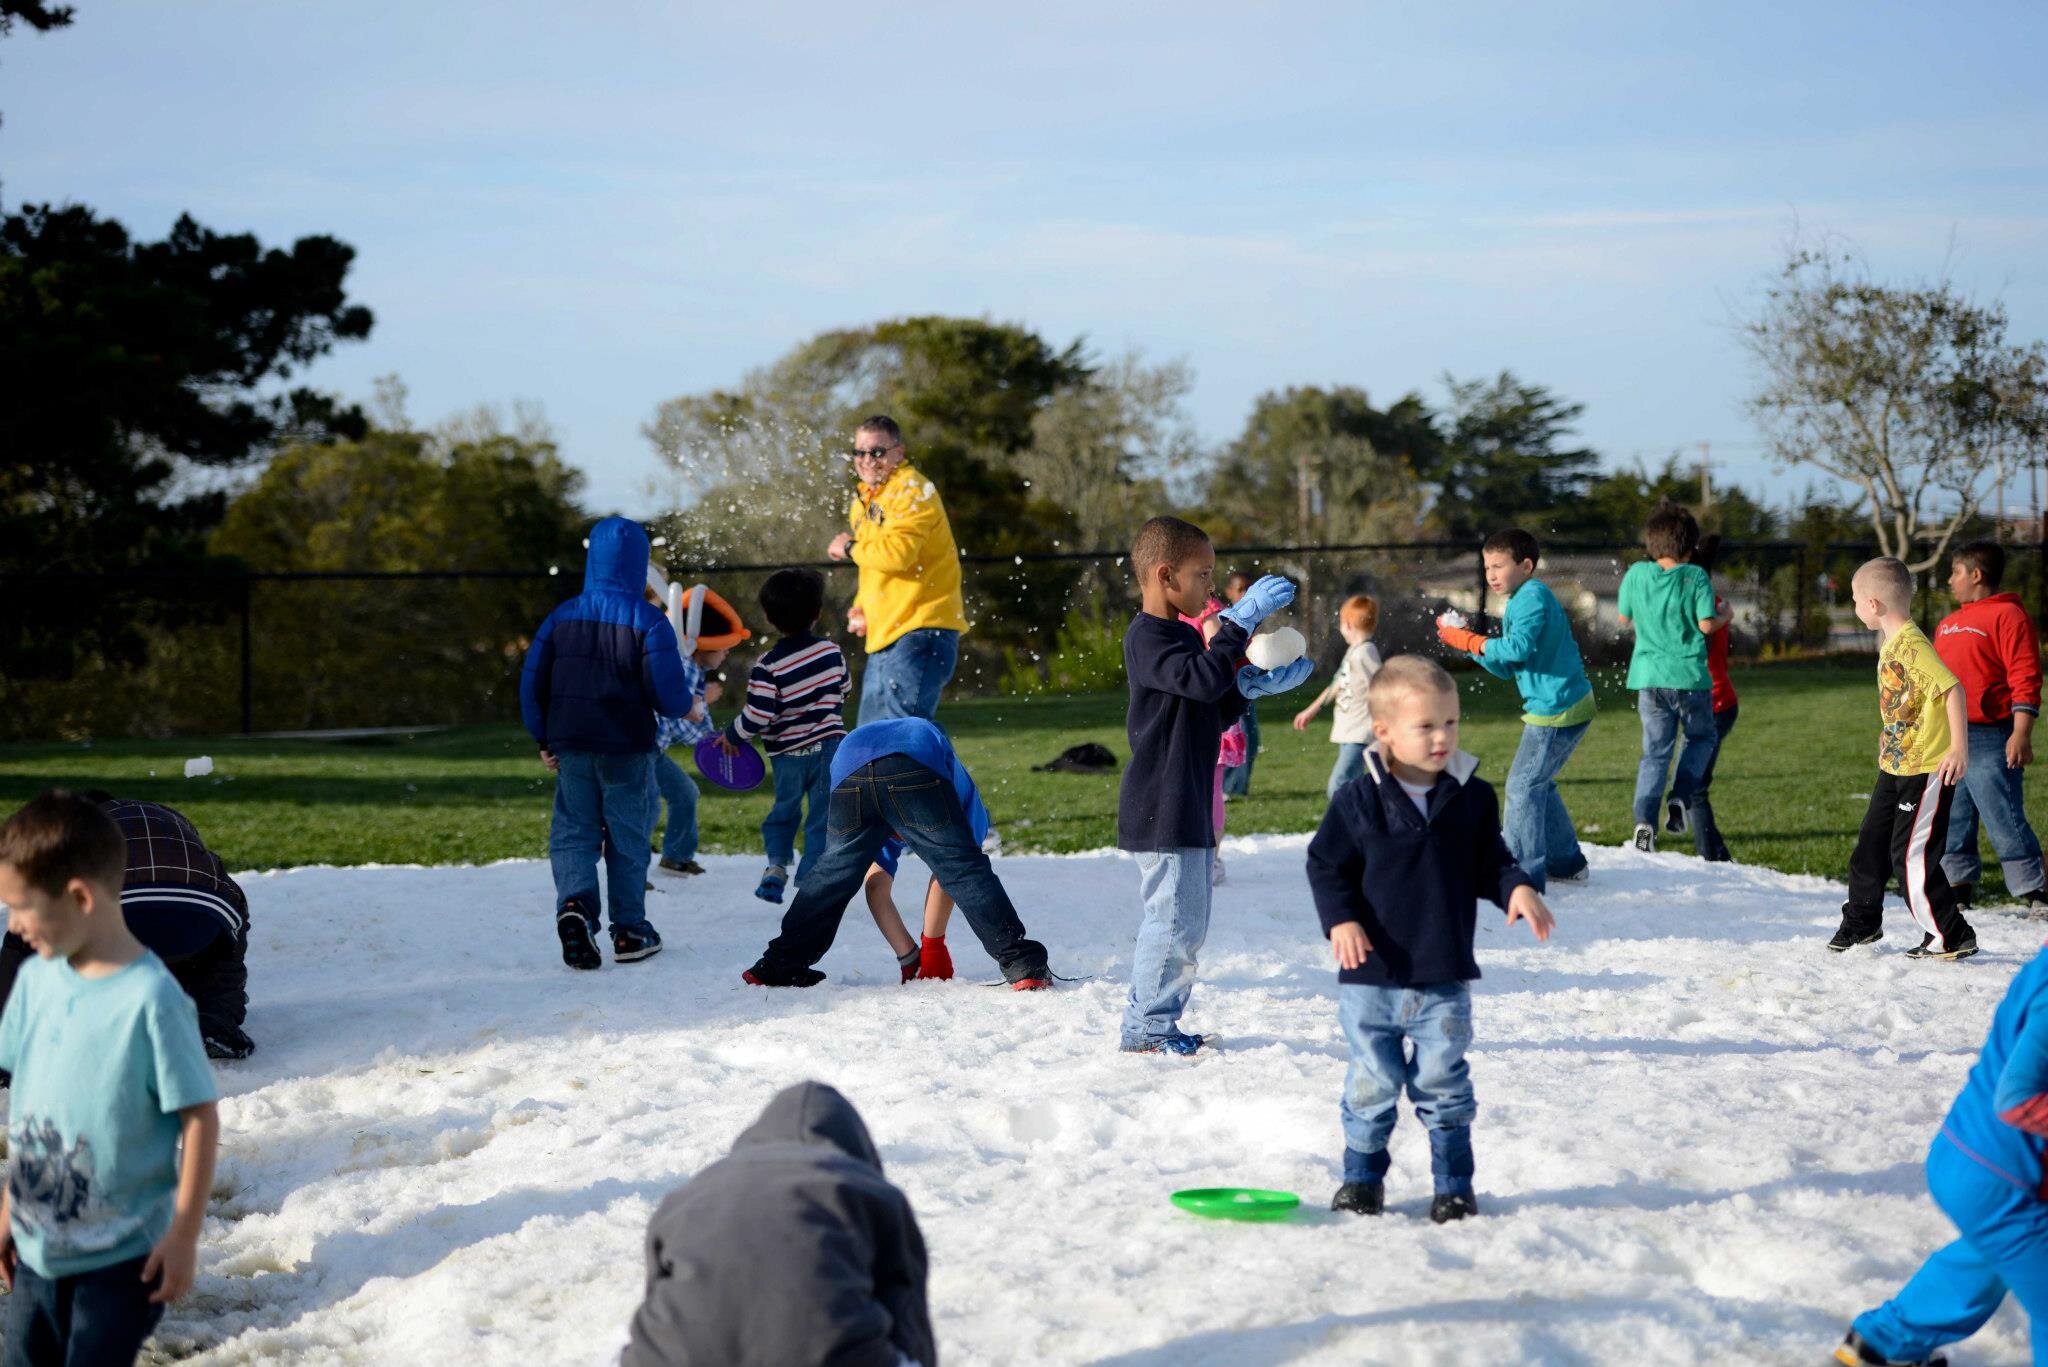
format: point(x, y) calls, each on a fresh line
point(1677, 817)
point(1584, 875)
point(1646, 837)
point(1216, 872)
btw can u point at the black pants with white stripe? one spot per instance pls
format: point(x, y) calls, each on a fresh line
point(1905, 830)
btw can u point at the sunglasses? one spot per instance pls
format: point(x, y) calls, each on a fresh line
point(869, 452)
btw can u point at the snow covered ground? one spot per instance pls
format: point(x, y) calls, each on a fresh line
point(1700, 1135)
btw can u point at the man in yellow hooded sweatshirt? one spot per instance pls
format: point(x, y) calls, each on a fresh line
point(909, 578)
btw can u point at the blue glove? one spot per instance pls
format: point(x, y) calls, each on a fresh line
point(1260, 601)
point(1254, 682)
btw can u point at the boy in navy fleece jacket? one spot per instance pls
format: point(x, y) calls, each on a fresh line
point(1183, 695)
point(1398, 869)
point(600, 667)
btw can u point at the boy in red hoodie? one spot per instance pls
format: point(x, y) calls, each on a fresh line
point(1989, 644)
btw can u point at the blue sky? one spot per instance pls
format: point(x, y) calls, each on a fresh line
point(598, 207)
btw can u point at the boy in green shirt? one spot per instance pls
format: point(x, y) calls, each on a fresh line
point(1670, 603)
point(99, 1228)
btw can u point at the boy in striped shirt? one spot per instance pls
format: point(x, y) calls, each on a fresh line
point(796, 696)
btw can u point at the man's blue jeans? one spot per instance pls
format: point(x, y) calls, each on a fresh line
point(896, 793)
point(1237, 779)
point(1536, 825)
point(904, 678)
point(1174, 886)
point(801, 777)
point(1667, 714)
point(679, 839)
point(1350, 765)
point(2004, 1249)
point(89, 1319)
point(601, 811)
point(1413, 1038)
point(1995, 793)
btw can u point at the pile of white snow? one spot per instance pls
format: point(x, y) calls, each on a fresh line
point(1700, 1134)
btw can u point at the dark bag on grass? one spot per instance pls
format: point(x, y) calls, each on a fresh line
point(1080, 759)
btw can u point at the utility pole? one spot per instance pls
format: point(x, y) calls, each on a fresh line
point(1706, 485)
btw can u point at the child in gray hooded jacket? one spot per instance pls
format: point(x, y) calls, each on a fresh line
point(791, 1249)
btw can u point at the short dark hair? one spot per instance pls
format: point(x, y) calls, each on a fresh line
point(792, 600)
point(1671, 532)
point(1987, 558)
point(59, 835)
point(884, 425)
point(1164, 541)
point(1515, 543)
point(1708, 552)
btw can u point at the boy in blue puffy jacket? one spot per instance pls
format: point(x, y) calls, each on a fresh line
point(1986, 1171)
point(600, 668)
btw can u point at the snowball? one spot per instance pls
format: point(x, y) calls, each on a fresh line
point(1451, 618)
point(199, 768)
point(1276, 648)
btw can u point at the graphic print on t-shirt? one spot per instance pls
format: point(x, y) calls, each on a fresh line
point(51, 1191)
point(1912, 684)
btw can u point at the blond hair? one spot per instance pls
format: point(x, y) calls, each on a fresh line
point(1888, 580)
point(1405, 676)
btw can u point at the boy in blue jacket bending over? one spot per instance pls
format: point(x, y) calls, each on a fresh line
point(1535, 648)
point(1398, 868)
point(600, 667)
point(1987, 1173)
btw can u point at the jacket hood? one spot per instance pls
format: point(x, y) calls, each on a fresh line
point(812, 1114)
point(617, 562)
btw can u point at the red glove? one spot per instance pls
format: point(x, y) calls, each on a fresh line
point(934, 960)
point(1458, 638)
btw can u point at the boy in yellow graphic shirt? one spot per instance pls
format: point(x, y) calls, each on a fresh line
point(1922, 752)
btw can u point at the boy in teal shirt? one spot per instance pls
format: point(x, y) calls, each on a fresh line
point(99, 1228)
point(1535, 648)
point(1671, 605)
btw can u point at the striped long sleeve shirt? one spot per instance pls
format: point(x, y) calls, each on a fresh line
point(795, 696)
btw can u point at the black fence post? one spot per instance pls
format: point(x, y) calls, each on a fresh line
point(248, 661)
point(1799, 599)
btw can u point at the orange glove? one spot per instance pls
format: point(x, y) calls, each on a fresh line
point(1458, 638)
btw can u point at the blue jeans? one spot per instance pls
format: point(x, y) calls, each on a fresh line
point(1237, 779)
point(903, 678)
point(1667, 713)
point(1536, 825)
point(1174, 886)
point(1706, 833)
point(679, 840)
point(1382, 1025)
point(1350, 764)
point(897, 794)
point(1995, 793)
point(89, 1319)
point(800, 778)
point(2004, 1249)
point(601, 813)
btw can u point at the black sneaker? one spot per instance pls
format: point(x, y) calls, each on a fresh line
point(682, 867)
point(1855, 1352)
point(631, 944)
point(1963, 948)
point(1360, 1198)
point(1646, 837)
point(1677, 818)
point(578, 928)
point(1965, 895)
point(1452, 1205)
point(762, 975)
point(1855, 931)
point(226, 1042)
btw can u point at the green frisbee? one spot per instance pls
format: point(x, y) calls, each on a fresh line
point(1237, 1203)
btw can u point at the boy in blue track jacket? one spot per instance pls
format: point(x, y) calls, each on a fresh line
point(1536, 650)
point(1987, 1172)
point(600, 667)
point(1398, 867)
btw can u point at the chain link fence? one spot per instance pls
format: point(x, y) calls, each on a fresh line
point(260, 652)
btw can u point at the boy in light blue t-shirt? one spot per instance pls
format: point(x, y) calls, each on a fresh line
point(1670, 603)
point(99, 1228)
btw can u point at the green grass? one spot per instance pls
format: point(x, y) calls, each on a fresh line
point(1788, 790)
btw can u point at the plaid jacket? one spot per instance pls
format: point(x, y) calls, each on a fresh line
point(169, 863)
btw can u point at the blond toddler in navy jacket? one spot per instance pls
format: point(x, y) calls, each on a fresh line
point(1398, 868)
